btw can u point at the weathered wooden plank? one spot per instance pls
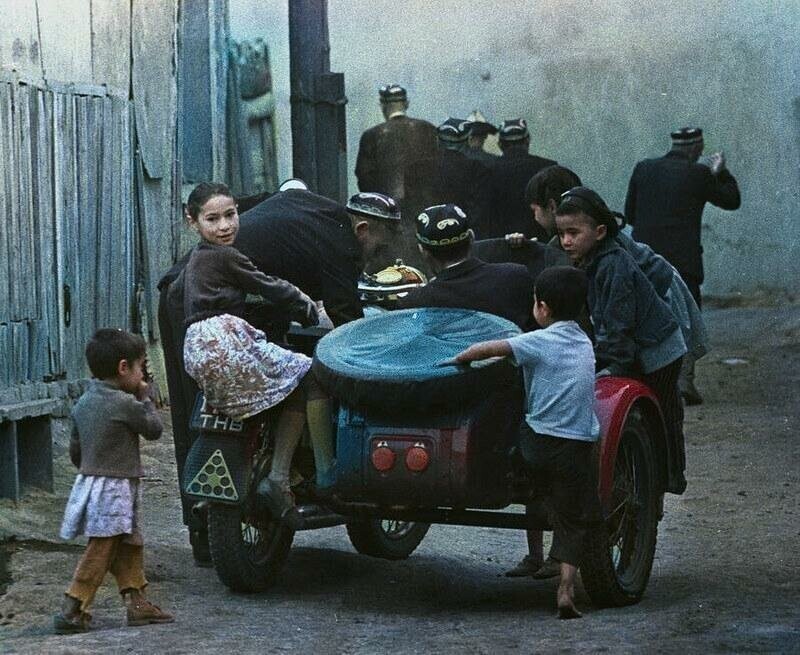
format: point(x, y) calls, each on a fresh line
point(66, 40)
point(25, 278)
point(19, 38)
point(47, 232)
point(105, 216)
point(6, 142)
point(84, 311)
point(38, 355)
point(13, 218)
point(154, 82)
point(128, 271)
point(60, 165)
point(111, 39)
point(5, 355)
point(20, 346)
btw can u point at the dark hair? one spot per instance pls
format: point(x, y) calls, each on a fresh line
point(564, 289)
point(582, 199)
point(201, 194)
point(108, 347)
point(450, 253)
point(549, 184)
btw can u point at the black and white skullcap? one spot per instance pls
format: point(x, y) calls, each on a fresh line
point(514, 129)
point(392, 93)
point(453, 130)
point(374, 205)
point(687, 136)
point(442, 225)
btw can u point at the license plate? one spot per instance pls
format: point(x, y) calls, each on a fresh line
point(207, 419)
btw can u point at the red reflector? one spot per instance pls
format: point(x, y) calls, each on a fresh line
point(383, 458)
point(417, 459)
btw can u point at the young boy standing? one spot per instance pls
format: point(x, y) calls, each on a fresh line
point(105, 499)
point(560, 425)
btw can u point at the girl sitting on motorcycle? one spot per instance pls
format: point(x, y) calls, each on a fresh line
point(240, 372)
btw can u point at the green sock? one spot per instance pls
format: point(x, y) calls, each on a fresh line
point(320, 429)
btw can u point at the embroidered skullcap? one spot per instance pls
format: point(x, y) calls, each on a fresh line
point(687, 136)
point(374, 205)
point(453, 130)
point(392, 93)
point(442, 225)
point(514, 129)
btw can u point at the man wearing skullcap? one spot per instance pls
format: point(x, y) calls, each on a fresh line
point(509, 176)
point(399, 158)
point(665, 202)
point(462, 181)
point(463, 281)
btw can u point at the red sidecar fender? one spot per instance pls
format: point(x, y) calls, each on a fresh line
point(614, 399)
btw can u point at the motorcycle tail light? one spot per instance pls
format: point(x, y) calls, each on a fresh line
point(383, 458)
point(417, 459)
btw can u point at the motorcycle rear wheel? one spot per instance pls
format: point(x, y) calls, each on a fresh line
point(247, 555)
point(386, 538)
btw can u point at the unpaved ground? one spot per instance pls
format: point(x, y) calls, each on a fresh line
point(725, 577)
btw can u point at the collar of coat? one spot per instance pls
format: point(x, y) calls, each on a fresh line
point(606, 245)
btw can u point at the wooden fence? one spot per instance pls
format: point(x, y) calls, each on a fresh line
point(68, 261)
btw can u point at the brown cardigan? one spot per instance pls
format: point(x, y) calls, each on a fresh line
point(217, 280)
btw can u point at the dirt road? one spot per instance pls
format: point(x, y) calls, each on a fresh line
point(725, 577)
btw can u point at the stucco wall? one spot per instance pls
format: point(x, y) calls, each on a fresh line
point(601, 84)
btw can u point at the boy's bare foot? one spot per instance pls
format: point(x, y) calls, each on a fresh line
point(568, 612)
point(526, 568)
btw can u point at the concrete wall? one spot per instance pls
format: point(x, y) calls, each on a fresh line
point(601, 84)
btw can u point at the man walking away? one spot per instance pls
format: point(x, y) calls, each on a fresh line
point(665, 202)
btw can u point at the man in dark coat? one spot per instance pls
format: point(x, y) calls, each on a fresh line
point(463, 281)
point(509, 176)
point(461, 181)
point(399, 158)
point(665, 202)
point(307, 239)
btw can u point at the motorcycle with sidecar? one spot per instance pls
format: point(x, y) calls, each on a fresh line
point(428, 444)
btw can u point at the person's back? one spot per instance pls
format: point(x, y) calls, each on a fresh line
point(307, 240)
point(509, 177)
point(665, 201)
point(389, 150)
point(502, 289)
point(463, 281)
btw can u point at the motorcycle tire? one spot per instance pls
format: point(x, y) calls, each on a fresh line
point(386, 538)
point(619, 555)
point(399, 360)
point(246, 556)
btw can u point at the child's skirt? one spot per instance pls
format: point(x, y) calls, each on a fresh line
point(101, 506)
point(240, 372)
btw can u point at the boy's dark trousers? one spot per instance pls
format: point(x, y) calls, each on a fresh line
point(565, 469)
point(664, 383)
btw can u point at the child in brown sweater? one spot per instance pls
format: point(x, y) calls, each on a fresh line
point(106, 496)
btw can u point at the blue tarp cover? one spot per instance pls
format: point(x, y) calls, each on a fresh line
point(408, 345)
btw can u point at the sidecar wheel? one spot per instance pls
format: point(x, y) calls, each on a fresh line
point(247, 555)
point(386, 538)
point(619, 555)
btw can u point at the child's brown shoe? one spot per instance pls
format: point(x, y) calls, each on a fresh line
point(142, 612)
point(71, 620)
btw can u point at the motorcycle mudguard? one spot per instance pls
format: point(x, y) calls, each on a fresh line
point(216, 469)
point(614, 399)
